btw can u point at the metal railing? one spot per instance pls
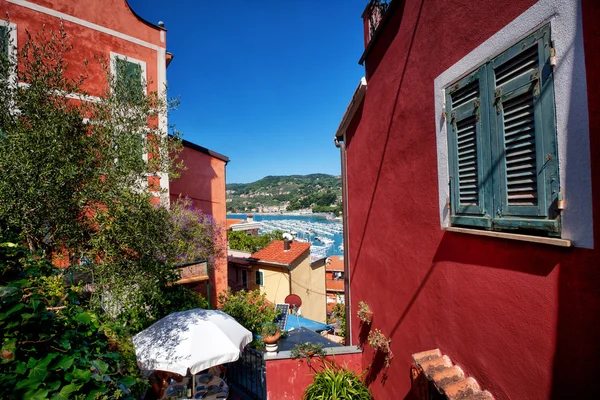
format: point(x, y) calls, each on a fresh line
point(378, 9)
point(248, 374)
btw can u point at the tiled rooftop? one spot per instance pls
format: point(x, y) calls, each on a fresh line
point(336, 264)
point(274, 252)
point(233, 222)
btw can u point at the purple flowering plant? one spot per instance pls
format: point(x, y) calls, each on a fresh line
point(194, 234)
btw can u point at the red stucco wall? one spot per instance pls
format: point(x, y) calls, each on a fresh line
point(203, 181)
point(287, 379)
point(522, 319)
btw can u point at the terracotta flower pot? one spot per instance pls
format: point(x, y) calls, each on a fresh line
point(271, 339)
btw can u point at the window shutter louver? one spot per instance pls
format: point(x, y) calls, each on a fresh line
point(524, 135)
point(468, 149)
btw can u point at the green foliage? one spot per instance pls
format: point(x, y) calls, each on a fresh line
point(336, 383)
point(337, 210)
point(239, 240)
point(301, 191)
point(56, 168)
point(307, 350)
point(75, 183)
point(250, 308)
point(55, 347)
point(270, 329)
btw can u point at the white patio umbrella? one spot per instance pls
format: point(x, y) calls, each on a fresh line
point(196, 339)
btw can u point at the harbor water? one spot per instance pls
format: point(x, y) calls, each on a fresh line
point(316, 229)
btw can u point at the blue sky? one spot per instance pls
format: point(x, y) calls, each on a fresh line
point(263, 82)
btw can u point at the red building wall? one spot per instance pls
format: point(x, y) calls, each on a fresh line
point(521, 318)
point(203, 182)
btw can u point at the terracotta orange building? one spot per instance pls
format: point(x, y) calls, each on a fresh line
point(203, 182)
point(108, 29)
point(334, 281)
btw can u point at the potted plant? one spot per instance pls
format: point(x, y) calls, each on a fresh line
point(270, 336)
point(364, 313)
point(307, 350)
point(379, 342)
point(334, 382)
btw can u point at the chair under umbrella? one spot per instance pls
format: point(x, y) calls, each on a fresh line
point(194, 339)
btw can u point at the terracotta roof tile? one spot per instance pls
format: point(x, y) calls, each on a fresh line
point(336, 264)
point(274, 252)
point(447, 378)
point(233, 222)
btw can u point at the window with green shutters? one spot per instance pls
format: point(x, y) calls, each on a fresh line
point(260, 278)
point(129, 81)
point(502, 142)
point(4, 54)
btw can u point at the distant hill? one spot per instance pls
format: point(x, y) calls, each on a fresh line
point(320, 192)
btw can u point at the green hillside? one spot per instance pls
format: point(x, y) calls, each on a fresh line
point(320, 192)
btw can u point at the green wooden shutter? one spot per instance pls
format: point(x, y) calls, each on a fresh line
point(523, 132)
point(468, 151)
point(4, 43)
point(130, 83)
point(4, 39)
point(259, 278)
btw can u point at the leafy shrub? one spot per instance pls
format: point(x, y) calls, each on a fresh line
point(270, 329)
point(250, 308)
point(239, 240)
point(336, 383)
point(53, 347)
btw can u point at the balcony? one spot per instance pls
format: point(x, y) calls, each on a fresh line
point(334, 285)
point(372, 17)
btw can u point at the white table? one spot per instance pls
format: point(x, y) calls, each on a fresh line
point(177, 390)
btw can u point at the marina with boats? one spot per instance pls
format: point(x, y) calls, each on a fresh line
point(325, 236)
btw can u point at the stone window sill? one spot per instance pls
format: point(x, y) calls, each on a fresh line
point(512, 236)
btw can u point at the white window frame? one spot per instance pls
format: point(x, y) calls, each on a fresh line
point(572, 124)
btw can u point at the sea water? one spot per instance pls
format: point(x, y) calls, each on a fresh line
point(338, 238)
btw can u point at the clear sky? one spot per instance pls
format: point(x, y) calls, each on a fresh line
point(263, 82)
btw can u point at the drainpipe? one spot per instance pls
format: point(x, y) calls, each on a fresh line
point(340, 143)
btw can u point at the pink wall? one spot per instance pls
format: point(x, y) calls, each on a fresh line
point(204, 183)
point(288, 378)
point(521, 318)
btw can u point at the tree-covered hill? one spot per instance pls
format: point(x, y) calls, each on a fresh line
point(291, 192)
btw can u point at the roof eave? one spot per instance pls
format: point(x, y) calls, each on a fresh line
point(356, 101)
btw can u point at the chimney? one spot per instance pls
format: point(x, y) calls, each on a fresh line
point(286, 244)
point(249, 218)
